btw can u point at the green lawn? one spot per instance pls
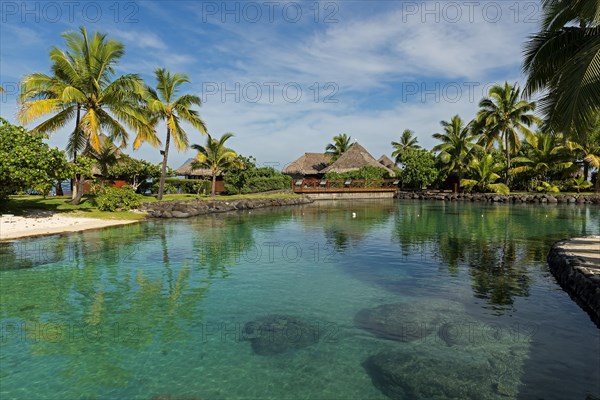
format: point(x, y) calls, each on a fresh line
point(21, 204)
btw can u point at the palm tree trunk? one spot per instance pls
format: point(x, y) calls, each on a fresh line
point(163, 172)
point(507, 157)
point(77, 189)
point(586, 169)
point(213, 191)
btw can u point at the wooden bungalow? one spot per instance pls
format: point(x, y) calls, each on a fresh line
point(188, 172)
point(308, 166)
point(354, 159)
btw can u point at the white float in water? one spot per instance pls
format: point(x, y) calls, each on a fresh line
point(353, 215)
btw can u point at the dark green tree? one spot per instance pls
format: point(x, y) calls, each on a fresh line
point(417, 168)
point(26, 162)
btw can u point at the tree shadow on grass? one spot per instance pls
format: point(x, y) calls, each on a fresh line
point(29, 206)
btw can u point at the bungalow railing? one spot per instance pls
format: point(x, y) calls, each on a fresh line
point(348, 185)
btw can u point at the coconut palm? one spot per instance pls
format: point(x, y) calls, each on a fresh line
point(407, 141)
point(563, 62)
point(543, 154)
point(163, 104)
point(586, 146)
point(502, 116)
point(83, 87)
point(340, 144)
point(216, 157)
point(106, 157)
point(458, 145)
point(484, 175)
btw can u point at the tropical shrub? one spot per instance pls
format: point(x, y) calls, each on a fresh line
point(418, 168)
point(189, 186)
point(483, 175)
point(253, 179)
point(169, 188)
point(580, 183)
point(547, 187)
point(113, 199)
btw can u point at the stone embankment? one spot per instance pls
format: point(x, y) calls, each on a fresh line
point(498, 198)
point(186, 209)
point(576, 265)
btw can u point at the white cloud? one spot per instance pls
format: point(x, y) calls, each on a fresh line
point(138, 38)
point(369, 53)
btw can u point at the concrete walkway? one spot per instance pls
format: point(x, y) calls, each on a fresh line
point(576, 265)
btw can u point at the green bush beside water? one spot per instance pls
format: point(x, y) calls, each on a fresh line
point(113, 199)
point(187, 186)
point(253, 179)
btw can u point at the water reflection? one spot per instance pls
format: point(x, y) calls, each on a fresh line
point(101, 309)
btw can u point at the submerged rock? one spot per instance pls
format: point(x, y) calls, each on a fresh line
point(407, 321)
point(276, 334)
point(434, 373)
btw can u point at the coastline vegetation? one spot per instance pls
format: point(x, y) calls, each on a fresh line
point(511, 143)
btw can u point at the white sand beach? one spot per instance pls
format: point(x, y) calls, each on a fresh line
point(15, 227)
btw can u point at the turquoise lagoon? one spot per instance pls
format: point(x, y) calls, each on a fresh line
point(159, 309)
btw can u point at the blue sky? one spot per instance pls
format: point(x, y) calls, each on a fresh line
point(285, 77)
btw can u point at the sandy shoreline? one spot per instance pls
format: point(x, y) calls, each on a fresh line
point(16, 227)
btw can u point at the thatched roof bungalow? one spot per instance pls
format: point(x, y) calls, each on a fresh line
point(386, 162)
point(354, 159)
point(308, 165)
point(188, 172)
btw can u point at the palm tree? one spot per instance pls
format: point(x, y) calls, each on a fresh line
point(83, 87)
point(586, 146)
point(216, 157)
point(484, 174)
point(106, 157)
point(407, 141)
point(163, 104)
point(544, 154)
point(340, 144)
point(502, 116)
point(562, 61)
point(458, 145)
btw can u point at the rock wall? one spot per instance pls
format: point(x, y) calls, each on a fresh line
point(498, 198)
point(575, 264)
point(186, 209)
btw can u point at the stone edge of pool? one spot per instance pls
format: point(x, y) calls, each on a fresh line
point(575, 263)
point(543, 198)
point(186, 209)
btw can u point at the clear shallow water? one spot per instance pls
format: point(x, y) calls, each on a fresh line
point(159, 308)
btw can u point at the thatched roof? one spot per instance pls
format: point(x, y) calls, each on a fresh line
point(386, 162)
point(308, 164)
point(186, 170)
point(353, 159)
